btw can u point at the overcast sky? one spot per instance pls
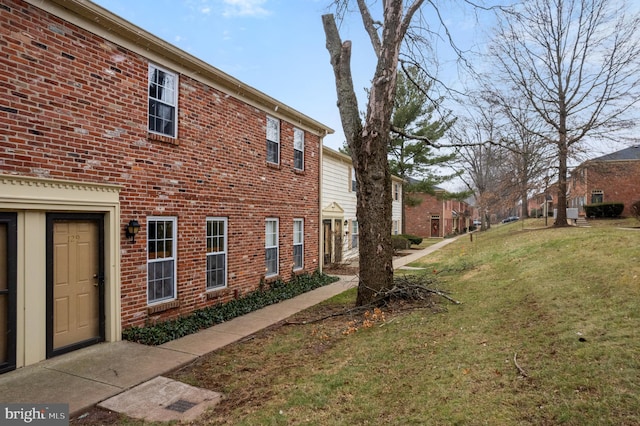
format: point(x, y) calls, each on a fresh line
point(276, 46)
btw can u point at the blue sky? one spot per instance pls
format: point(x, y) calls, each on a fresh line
point(275, 46)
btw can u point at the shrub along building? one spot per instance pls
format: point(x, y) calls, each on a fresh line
point(137, 183)
point(611, 178)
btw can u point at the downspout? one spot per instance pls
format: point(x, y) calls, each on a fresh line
point(320, 203)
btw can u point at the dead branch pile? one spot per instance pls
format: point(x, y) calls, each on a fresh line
point(411, 288)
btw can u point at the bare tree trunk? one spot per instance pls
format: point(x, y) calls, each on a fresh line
point(369, 143)
point(561, 207)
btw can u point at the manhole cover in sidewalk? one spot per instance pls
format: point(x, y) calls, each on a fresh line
point(181, 406)
point(163, 399)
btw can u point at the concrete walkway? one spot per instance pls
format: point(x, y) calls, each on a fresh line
point(88, 376)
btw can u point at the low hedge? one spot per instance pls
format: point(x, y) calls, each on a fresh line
point(604, 209)
point(412, 239)
point(400, 243)
point(275, 292)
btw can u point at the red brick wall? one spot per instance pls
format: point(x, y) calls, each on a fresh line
point(418, 218)
point(619, 181)
point(74, 106)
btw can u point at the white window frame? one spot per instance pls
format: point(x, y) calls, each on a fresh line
point(273, 138)
point(395, 227)
point(298, 148)
point(298, 242)
point(355, 234)
point(271, 244)
point(152, 262)
point(396, 192)
point(597, 193)
point(171, 103)
point(353, 187)
point(221, 251)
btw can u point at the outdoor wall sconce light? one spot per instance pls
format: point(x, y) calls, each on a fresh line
point(132, 229)
point(346, 222)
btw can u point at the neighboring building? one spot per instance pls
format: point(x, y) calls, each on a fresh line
point(610, 178)
point(340, 233)
point(105, 128)
point(437, 217)
point(536, 202)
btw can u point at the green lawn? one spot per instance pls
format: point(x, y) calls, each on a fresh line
point(561, 303)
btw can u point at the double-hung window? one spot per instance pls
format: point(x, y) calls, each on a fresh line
point(163, 101)
point(273, 140)
point(271, 247)
point(354, 234)
point(354, 182)
point(298, 149)
point(298, 244)
point(216, 252)
point(161, 260)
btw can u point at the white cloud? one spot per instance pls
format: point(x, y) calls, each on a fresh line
point(205, 10)
point(245, 8)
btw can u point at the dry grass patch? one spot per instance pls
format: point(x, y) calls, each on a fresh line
point(561, 303)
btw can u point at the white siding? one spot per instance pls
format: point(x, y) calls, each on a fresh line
point(336, 184)
point(336, 188)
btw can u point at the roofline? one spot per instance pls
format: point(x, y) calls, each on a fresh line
point(95, 19)
point(345, 158)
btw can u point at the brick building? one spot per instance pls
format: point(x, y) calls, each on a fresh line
point(613, 177)
point(106, 129)
point(437, 217)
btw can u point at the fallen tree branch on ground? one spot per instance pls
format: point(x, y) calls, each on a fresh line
point(520, 370)
point(408, 288)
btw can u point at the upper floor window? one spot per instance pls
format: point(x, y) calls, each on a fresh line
point(271, 246)
point(273, 140)
point(298, 243)
point(216, 252)
point(354, 182)
point(161, 258)
point(298, 149)
point(396, 192)
point(163, 100)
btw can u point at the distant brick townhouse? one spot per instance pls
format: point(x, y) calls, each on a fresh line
point(107, 130)
point(340, 230)
point(436, 217)
point(613, 177)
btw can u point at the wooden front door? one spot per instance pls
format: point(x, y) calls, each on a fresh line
point(8, 265)
point(435, 227)
point(75, 283)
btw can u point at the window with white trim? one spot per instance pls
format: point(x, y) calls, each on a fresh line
point(161, 258)
point(273, 140)
point(216, 252)
point(597, 196)
point(298, 244)
point(271, 246)
point(298, 149)
point(163, 101)
point(354, 182)
point(396, 192)
point(395, 227)
point(354, 234)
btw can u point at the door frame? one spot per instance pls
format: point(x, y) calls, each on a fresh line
point(11, 221)
point(51, 219)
